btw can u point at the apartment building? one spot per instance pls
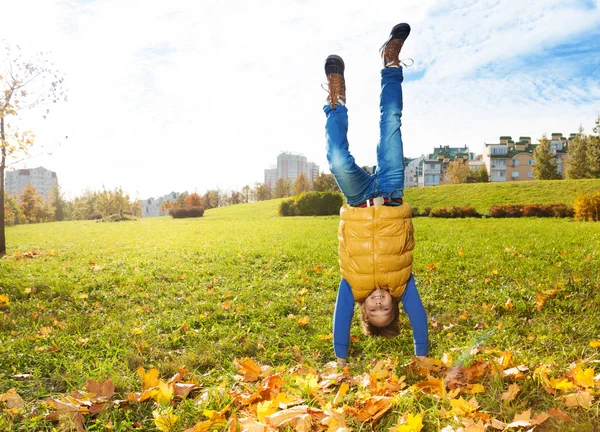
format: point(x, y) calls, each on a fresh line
point(513, 161)
point(431, 169)
point(40, 178)
point(151, 207)
point(290, 166)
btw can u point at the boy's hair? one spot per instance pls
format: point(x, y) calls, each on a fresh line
point(388, 331)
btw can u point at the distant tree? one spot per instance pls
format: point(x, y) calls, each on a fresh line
point(112, 201)
point(30, 202)
point(212, 198)
point(135, 208)
point(283, 188)
point(577, 163)
point(479, 175)
point(58, 202)
point(25, 83)
point(236, 197)
point(180, 201)
point(85, 205)
point(301, 184)
point(262, 192)
point(194, 200)
point(593, 151)
point(45, 211)
point(325, 183)
point(166, 206)
point(457, 171)
point(545, 167)
point(12, 211)
point(246, 193)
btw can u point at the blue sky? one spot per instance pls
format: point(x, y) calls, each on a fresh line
point(198, 94)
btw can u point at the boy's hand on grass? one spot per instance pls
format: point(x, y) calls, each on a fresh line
point(342, 362)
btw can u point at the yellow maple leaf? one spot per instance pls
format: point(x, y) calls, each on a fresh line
point(541, 373)
point(431, 386)
point(164, 394)
point(149, 379)
point(216, 420)
point(264, 409)
point(341, 393)
point(463, 408)
point(309, 383)
point(409, 423)
point(165, 420)
point(560, 383)
point(302, 322)
point(584, 378)
point(3, 299)
point(595, 343)
point(475, 388)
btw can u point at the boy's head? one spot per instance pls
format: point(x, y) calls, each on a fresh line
point(379, 314)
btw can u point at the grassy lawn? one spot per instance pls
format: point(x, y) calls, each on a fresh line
point(98, 300)
point(483, 195)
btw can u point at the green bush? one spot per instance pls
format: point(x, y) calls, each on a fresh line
point(117, 218)
point(186, 212)
point(312, 204)
point(286, 207)
point(587, 207)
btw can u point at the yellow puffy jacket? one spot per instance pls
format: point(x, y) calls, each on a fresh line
point(375, 248)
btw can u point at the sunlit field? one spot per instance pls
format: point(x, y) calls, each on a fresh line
point(86, 301)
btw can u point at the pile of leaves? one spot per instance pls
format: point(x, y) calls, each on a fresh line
point(440, 393)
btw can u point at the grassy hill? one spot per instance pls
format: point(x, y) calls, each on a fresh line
point(81, 300)
point(483, 195)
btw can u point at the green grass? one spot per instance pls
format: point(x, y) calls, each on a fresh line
point(114, 297)
point(483, 195)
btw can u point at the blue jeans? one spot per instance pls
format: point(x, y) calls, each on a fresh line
point(388, 179)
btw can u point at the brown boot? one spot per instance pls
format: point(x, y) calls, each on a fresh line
point(390, 51)
point(334, 69)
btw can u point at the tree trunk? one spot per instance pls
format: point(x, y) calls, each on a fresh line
point(2, 167)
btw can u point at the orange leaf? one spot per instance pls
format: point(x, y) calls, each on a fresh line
point(371, 410)
point(557, 413)
point(511, 393)
point(431, 386)
point(104, 389)
point(12, 399)
point(249, 370)
point(582, 399)
point(303, 322)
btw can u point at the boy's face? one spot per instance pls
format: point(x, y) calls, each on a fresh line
point(379, 307)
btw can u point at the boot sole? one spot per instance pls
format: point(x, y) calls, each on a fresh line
point(335, 57)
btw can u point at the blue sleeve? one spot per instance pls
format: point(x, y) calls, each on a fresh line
point(418, 317)
point(342, 318)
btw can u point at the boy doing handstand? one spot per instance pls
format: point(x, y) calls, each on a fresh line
point(375, 233)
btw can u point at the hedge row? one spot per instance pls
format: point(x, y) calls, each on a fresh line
point(530, 210)
point(501, 211)
point(186, 212)
point(312, 204)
